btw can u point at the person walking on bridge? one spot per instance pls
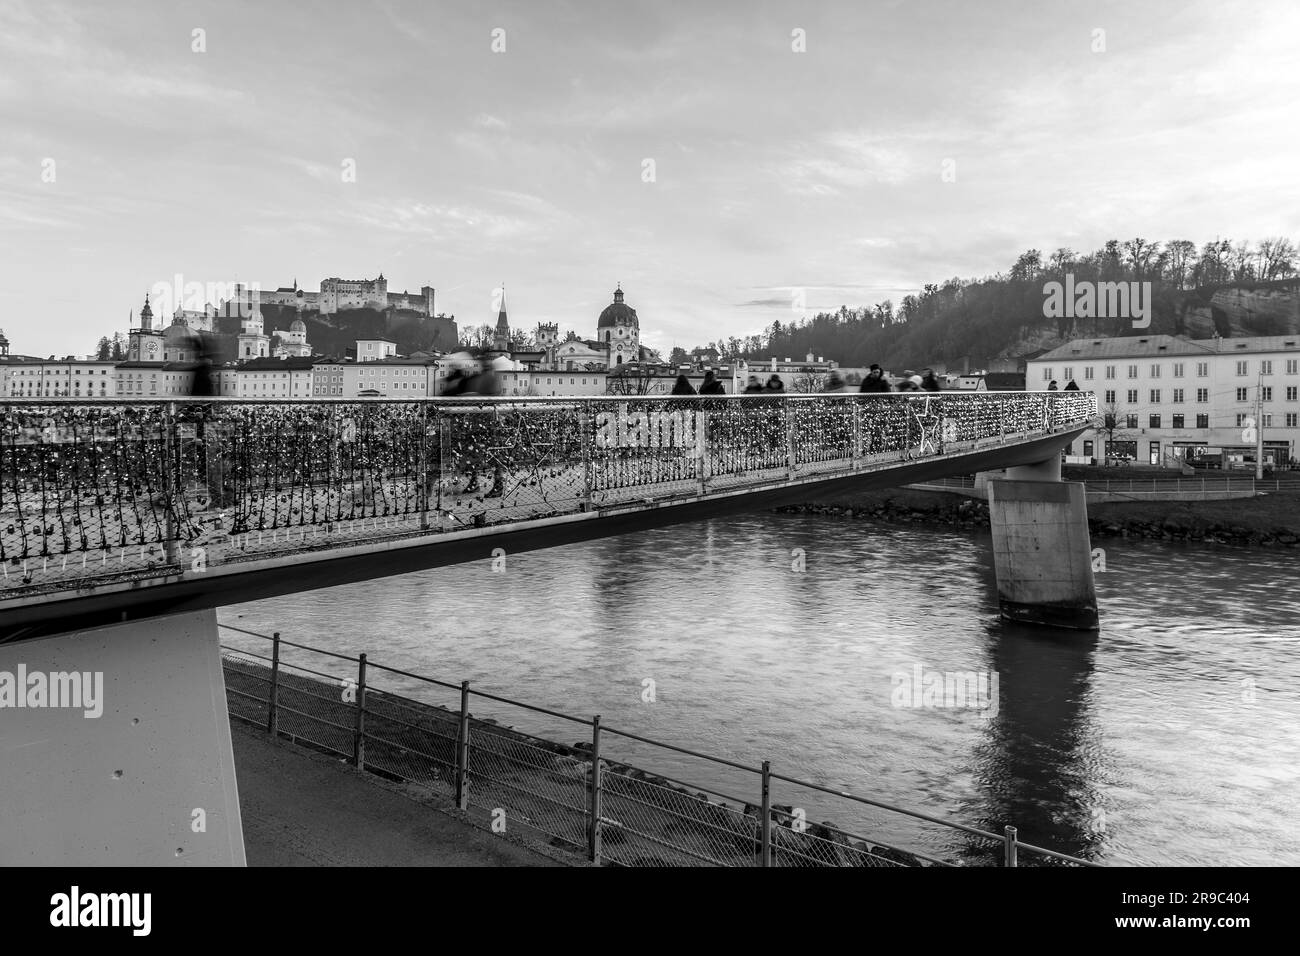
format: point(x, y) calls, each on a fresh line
point(774, 385)
point(711, 385)
point(875, 381)
point(683, 386)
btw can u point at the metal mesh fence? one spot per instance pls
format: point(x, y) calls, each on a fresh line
point(116, 492)
point(517, 781)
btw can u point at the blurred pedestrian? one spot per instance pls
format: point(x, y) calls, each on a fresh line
point(683, 386)
point(754, 387)
point(774, 385)
point(711, 385)
point(875, 381)
point(929, 383)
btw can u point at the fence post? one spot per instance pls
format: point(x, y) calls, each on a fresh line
point(462, 750)
point(765, 827)
point(172, 483)
point(1009, 847)
point(358, 737)
point(704, 450)
point(272, 704)
point(593, 833)
point(424, 466)
point(792, 456)
point(856, 405)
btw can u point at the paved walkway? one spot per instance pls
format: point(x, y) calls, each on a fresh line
point(302, 808)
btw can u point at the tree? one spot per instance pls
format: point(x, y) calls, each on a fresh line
point(679, 356)
point(1113, 425)
point(104, 351)
point(521, 341)
point(119, 347)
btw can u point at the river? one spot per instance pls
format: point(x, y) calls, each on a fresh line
point(1170, 737)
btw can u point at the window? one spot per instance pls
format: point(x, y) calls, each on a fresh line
point(1132, 421)
point(1047, 373)
point(1241, 419)
point(1268, 420)
point(1242, 395)
point(1087, 373)
point(1177, 421)
point(1267, 395)
point(1178, 396)
point(1069, 373)
point(1110, 371)
point(1087, 449)
point(1202, 369)
point(1243, 368)
point(1202, 395)
point(1291, 366)
point(1266, 367)
point(1178, 370)
point(1132, 396)
point(1155, 371)
point(1110, 396)
point(1291, 419)
point(1155, 421)
point(1132, 371)
point(1290, 393)
point(1155, 396)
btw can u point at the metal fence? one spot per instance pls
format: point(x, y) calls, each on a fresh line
point(115, 492)
point(579, 797)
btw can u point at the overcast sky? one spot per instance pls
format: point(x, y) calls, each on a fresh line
point(774, 170)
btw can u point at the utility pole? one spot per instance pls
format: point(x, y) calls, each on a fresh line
point(1259, 426)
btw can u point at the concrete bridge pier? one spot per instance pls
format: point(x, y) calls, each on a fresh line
point(115, 748)
point(1042, 553)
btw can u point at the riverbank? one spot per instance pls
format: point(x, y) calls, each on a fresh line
point(1264, 521)
point(537, 790)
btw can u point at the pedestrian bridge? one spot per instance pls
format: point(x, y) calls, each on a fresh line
point(112, 510)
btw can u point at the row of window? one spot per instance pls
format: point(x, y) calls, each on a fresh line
point(1202, 395)
point(1202, 370)
point(1292, 420)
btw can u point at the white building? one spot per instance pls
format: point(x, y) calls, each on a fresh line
point(1177, 398)
point(374, 350)
point(67, 378)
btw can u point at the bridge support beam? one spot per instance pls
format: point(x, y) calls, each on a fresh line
point(127, 763)
point(1042, 553)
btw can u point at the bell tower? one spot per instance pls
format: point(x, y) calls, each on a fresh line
point(146, 342)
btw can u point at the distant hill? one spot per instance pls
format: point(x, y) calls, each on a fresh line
point(334, 333)
point(1232, 289)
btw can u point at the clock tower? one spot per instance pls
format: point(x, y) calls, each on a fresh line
point(146, 343)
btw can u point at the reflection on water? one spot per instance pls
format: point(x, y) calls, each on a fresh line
point(1170, 737)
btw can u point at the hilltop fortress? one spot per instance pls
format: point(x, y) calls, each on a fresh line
point(337, 295)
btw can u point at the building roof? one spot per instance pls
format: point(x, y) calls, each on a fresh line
point(1004, 381)
point(288, 364)
point(618, 313)
point(1133, 346)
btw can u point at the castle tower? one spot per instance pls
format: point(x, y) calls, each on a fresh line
point(548, 337)
point(427, 292)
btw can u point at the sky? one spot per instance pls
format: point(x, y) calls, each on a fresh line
point(729, 164)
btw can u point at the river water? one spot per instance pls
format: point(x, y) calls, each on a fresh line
point(1171, 737)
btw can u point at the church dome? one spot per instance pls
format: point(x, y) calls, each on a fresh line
point(297, 325)
point(618, 313)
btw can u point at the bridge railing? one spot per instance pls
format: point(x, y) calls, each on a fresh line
point(599, 796)
point(134, 491)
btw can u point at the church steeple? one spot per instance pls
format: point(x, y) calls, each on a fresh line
point(618, 292)
point(501, 340)
point(146, 315)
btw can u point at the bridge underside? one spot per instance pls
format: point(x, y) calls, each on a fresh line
point(259, 580)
